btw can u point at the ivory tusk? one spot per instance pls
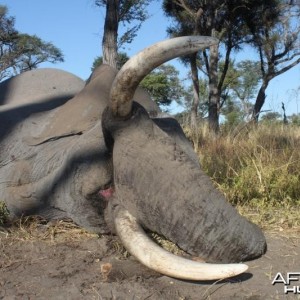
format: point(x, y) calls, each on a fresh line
point(140, 65)
point(154, 257)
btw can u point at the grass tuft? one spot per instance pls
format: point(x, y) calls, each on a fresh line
point(4, 213)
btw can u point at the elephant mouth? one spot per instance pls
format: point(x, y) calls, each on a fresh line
point(156, 258)
point(147, 252)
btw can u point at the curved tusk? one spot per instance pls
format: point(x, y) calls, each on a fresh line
point(154, 257)
point(135, 69)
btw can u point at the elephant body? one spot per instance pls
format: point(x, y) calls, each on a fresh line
point(52, 160)
point(56, 161)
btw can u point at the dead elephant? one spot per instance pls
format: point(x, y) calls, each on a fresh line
point(62, 162)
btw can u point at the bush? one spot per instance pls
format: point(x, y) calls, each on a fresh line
point(4, 213)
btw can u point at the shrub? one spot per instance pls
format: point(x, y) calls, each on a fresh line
point(4, 213)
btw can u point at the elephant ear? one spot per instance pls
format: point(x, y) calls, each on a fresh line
point(82, 111)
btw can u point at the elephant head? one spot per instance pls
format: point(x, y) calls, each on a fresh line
point(157, 176)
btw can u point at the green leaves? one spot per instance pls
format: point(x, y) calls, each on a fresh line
point(21, 52)
point(132, 13)
point(4, 213)
point(164, 85)
point(121, 60)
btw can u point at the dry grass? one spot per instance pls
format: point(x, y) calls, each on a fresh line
point(118, 249)
point(258, 169)
point(36, 228)
point(274, 218)
point(167, 245)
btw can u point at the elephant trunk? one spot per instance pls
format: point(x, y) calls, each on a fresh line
point(161, 183)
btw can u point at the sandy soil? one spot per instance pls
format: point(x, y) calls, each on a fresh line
point(58, 260)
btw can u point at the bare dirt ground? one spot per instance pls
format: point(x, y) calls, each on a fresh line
point(40, 260)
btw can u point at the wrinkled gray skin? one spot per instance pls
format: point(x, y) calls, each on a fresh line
point(54, 163)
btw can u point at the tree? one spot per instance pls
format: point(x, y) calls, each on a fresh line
point(226, 20)
point(122, 58)
point(35, 51)
point(246, 84)
point(242, 82)
point(22, 52)
point(278, 47)
point(271, 117)
point(8, 37)
point(186, 21)
point(232, 113)
point(239, 89)
point(295, 119)
point(163, 84)
point(126, 12)
point(110, 36)
point(202, 108)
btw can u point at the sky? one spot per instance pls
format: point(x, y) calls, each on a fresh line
point(76, 27)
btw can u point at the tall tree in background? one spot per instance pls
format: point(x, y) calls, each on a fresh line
point(278, 46)
point(34, 51)
point(187, 21)
point(22, 52)
point(122, 58)
point(226, 20)
point(164, 85)
point(244, 78)
point(189, 100)
point(238, 92)
point(125, 12)
point(110, 35)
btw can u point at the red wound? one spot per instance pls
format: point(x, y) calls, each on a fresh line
point(107, 193)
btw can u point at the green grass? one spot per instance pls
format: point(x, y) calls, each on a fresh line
point(4, 213)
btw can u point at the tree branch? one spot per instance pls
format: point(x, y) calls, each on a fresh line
point(226, 65)
point(183, 5)
point(286, 68)
point(287, 59)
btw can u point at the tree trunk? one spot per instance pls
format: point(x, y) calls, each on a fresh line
point(259, 102)
point(214, 97)
point(195, 79)
point(110, 36)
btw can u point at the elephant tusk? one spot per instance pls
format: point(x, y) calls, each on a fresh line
point(135, 69)
point(154, 257)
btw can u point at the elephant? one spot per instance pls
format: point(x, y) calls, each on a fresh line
point(112, 162)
